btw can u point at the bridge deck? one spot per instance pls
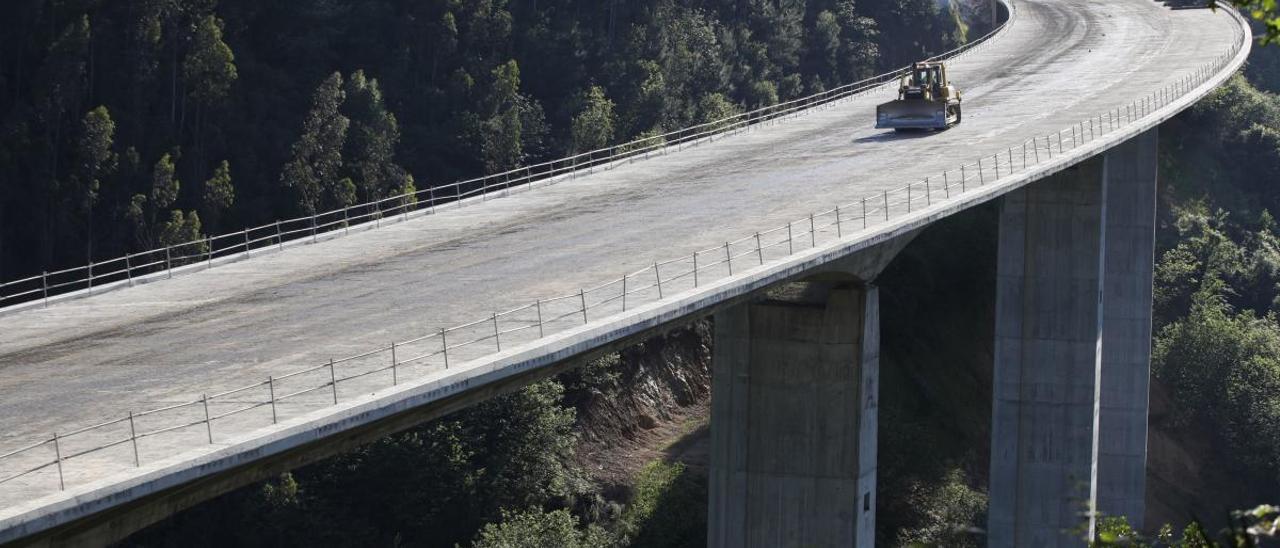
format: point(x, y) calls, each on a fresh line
point(83, 361)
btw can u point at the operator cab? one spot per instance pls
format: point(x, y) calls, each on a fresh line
point(924, 82)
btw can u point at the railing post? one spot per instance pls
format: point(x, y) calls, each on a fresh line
point(133, 437)
point(695, 269)
point(271, 387)
point(431, 198)
point(582, 298)
point(128, 269)
point(44, 286)
point(946, 185)
point(395, 375)
point(886, 205)
point(208, 424)
point(657, 275)
point(790, 249)
point(864, 213)
point(962, 178)
point(624, 292)
point(928, 193)
point(246, 242)
point(981, 176)
point(346, 224)
point(538, 304)
point(760, 250)
point(813, 233)
point(57, 453)
point(91, 276)
point(909, 185)
point(995, 161)
point(839, 232)
point(444, 348)
point(279, 237)
point(168, 262)
point(497, 337)
point(333, 381)
point(208, 244)
point(728, 257)
point(313, 229)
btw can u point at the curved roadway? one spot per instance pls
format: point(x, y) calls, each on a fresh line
point(85, 360)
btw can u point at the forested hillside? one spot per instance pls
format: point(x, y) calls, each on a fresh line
point(128, 124)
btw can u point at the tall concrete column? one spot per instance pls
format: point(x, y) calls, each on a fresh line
point(1048, 323)
point(793, 419)
point(1072, 353)
point(1130, 171)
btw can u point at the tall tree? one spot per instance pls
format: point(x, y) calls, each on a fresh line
point(594, 125)
point(371, 143)
point(500, 132)
point(94, 160)
point(59, 88)
point(219, 193)
point(209, 70)
point(316, 168)
point(210, 66)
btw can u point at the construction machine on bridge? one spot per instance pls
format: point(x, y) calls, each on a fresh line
point(926, 100)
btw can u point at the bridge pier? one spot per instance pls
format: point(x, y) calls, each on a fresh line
point(793, 418)
point(1072, 352)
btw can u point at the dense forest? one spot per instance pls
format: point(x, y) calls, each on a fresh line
point(128, 124)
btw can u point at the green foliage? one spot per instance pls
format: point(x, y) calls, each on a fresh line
point(1217, 344)
point(219, 194)
point(1225, 366)
point(453, 88)
point(315, 170)
point(210, 67)
point(501, 145)
point(951, 512)
point(1266, 12)
point(534, 528)
point(164, 185)
point(667, 509)
point(436, 484)
point(372, 139)
point(650, 140)
point(593, 126)
point(762, 94)
point(1249, 528)
point(95, 159)
point(714, 107)
point(180, 228)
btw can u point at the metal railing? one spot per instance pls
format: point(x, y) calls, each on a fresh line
point(131, 267)
point(322, 385)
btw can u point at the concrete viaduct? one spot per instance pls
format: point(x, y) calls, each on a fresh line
point(182, 382)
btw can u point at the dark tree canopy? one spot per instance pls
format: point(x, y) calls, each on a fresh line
point(270, 109)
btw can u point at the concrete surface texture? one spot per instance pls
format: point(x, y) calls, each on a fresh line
point(79, 362)
point(1048, 322)
point(1130, 171)
point(793, 419)
point(1073, 349)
